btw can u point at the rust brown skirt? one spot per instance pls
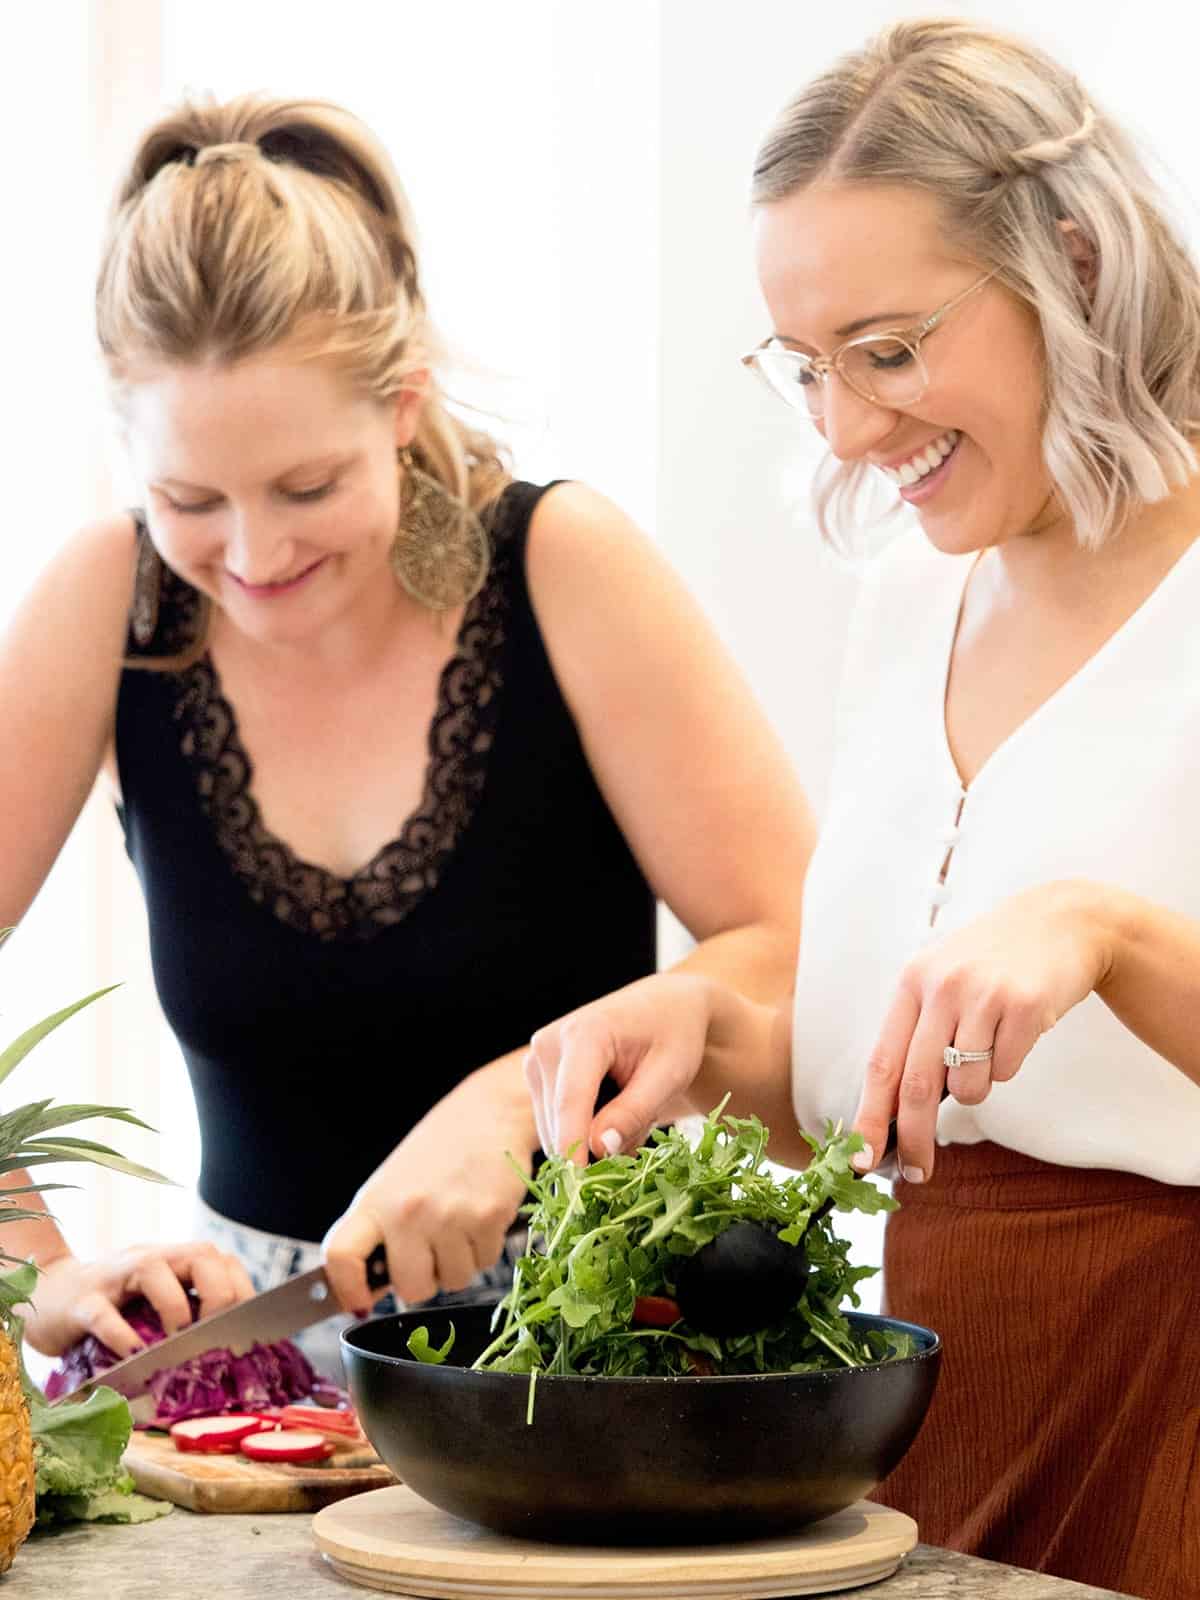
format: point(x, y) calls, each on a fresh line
point(1065, 1433)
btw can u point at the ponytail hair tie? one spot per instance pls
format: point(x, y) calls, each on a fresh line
point(233, 151)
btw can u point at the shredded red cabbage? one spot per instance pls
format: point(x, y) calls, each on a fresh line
point(267, 1375)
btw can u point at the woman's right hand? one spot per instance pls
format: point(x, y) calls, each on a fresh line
point(649, 1037)
point(75, 1297)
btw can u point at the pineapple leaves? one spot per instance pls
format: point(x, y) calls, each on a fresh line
point(33, 1120)
point(24, 1043)
point(63, 1149)
point(77, 1445)
point(24, 1130)
point(8, 1194)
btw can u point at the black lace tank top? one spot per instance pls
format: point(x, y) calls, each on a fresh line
point(321, 1017)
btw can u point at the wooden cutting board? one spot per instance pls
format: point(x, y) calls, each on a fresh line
point(394, 1541)
point(234, 1483)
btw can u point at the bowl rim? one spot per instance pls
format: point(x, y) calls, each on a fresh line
point(929, 1351)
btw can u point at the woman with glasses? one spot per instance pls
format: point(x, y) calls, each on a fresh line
point(405, 749)
point(975, 296)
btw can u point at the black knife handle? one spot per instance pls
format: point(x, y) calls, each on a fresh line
point(377, 1269)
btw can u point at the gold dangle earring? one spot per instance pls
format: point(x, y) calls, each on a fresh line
point(147, 589)
point(440, 553)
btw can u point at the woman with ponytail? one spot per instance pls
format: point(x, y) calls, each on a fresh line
point(405, 749)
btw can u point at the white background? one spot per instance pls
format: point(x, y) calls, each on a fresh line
point(579, 172)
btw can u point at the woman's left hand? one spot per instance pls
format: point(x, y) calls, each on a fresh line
point(444, 1199)
point(998, 984)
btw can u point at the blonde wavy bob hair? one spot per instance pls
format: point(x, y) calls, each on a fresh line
point(242, 226)
point(1012, 148)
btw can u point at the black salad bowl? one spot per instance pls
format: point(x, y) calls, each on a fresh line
point(632, 1460)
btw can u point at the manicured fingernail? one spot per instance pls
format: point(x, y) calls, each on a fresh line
point(361, 1312)
point(611, 1141)
point(864, 1160)
point(913, 1174)
point(137, 1349)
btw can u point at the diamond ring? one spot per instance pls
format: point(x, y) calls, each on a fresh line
point(954, 1057)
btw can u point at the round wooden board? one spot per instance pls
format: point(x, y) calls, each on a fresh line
point(390, 1539)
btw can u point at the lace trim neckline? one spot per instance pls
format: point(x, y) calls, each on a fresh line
point(306, 896)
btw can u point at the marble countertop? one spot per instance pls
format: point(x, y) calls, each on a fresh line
point(186, 1556)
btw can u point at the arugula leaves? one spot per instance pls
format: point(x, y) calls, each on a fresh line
point(605, 1235)
point(433, 1355)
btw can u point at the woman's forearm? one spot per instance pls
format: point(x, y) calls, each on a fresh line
point(505, 1081)
point(757, 960)
point(1152, 974)
point(748, 1050)
point(747, 1056)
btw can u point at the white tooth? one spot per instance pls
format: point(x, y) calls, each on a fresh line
point(892, 474)
point(933, 456)
point(908, 474)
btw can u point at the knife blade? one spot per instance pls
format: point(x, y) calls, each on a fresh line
point(274, 1314)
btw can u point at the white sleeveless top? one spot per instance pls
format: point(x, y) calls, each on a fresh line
point(1102, 782)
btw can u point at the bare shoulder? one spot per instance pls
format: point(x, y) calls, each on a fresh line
point(576, 529)
point(101, 552)
point(83, 593)
point(60, 668)
point(678, 746)
point(66, 640)
point(590, 568)
point(594, 577)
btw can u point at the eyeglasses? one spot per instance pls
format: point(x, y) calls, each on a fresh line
point(884, 368)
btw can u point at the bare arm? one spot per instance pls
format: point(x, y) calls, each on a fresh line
point(1151, 978)
point(40, 1241)
point(676, 1044)
point(59, 669)
point(686, 759)
point(708, 803)
point(60, 664)
point(1002, 981)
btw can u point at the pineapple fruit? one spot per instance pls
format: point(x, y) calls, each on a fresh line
point(29, 1138)
point(16, 1457)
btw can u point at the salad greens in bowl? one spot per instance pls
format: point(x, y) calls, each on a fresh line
point(584, 1406)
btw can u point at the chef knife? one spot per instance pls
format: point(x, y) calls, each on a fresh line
point(275, 1314)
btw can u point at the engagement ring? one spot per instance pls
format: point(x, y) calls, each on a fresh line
point(958, 1058)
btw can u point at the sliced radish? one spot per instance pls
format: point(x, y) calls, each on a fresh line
point(338, 1424)
point(286, 1444)
point(214, 1435)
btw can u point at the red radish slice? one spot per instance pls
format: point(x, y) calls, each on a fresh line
point(214, 1435)
point(286, 1444)
point(338, 1424)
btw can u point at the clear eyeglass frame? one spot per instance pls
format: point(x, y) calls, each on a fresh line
point(808, 376)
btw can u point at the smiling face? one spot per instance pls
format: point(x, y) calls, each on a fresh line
point(271, 486)
point(839, 260)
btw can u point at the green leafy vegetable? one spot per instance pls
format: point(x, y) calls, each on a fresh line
point(419, 1346)
point(608, 1234)
point(77, 1444)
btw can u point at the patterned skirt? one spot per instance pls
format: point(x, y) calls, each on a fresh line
point(1065, 1433)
